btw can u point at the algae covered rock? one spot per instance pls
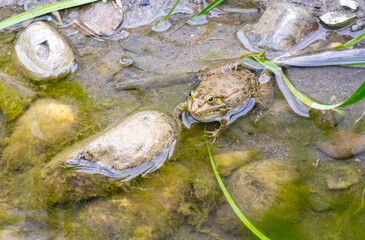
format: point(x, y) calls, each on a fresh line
point(342, 178)
point(14, 97)
point(280, 26)
point(41, 53)
point(45, 124)
point(137, 144)
point(148, 213)
point(258, 188)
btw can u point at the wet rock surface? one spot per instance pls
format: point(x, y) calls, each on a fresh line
point(281, 26)
point(41, 53)
point(342, 178)
point(100, 18)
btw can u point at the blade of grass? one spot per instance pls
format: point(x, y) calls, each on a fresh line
point(235, 208)
point(165, 18)
point(358, 95)
point(358, 65)
point(42, 11)
point(201, 13)
point(350, 43)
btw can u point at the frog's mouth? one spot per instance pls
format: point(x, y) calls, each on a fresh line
point(213, 113)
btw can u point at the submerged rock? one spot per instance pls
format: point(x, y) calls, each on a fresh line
point(137, 144)
point(128, 216)
point(343, 145)
point(325, 119)
point(41, 53)
point(100, 18)
point(336, 20)
point(227, 162)
point(281, 26)
point(258, 188)
point(342, 178)
point(46, 123)
point(14, 97)
point(141, 12)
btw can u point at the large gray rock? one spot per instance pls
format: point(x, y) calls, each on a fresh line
point(281, 26)
point(41, 53)
point(137, 144)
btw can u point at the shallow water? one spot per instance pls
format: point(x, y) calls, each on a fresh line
point(182, 200)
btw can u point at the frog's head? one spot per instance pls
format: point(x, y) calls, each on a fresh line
point(205, 107)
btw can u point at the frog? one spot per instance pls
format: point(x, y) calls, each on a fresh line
point(226, 91)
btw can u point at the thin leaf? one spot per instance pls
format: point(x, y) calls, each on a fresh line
point(358, 65)
point(324, 57)
point(358, 95)
point(351, 42)
point(235, 208)
point(165, 18)
point(201, 13)
point(42, 11)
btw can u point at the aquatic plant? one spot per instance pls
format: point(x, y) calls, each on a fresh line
point(235, 208)
point(203, 12)
point(350, 43)
point(358, 95)
point(165, 18)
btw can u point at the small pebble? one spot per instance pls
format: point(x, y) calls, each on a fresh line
point(354, 28)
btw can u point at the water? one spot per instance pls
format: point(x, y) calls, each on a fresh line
point(285, 175)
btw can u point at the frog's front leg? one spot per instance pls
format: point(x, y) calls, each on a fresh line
point(215, 134)
point(178, 111)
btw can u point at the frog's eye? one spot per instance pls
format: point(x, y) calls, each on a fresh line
point(209, 99)
point(192, 94)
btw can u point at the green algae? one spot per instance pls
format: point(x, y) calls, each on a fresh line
point(11, 102)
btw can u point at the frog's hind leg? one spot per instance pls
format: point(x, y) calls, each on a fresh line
point(265, 92)
point(266, 89)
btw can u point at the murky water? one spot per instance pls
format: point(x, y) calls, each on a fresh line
point(280, 180)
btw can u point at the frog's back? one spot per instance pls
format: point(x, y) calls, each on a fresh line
point(233, 87)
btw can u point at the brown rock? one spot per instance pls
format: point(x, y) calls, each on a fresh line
point(342, 178)
point(343, 145)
